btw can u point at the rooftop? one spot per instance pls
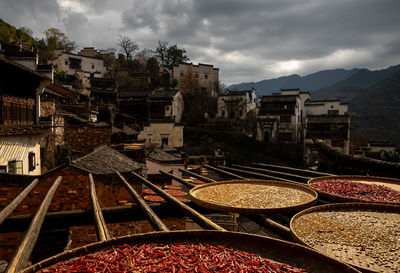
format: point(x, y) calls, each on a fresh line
point(106, 160)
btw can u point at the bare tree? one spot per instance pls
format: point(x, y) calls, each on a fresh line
point(128, 46)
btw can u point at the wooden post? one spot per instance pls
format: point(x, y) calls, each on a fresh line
point(225, 172)
point(191, 213)
point(293, 169)
point(11, 207)
point(258, 175)
point(101, 227)
point(21, 256)
point(198, 176)
point(155, 222)
point(180, 180)
point(294, 176)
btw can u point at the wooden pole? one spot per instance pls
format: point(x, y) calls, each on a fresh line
point(191, 213)
point(294, 176)
point(180, 180)
point(11, 207)
point(101, 226)
point(225, 172)
point(198, 176)
point(154, 220)
point(258, 175)
point(293, 169)
point(21, 256)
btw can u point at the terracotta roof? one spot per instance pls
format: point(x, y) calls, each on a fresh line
point(106, 160)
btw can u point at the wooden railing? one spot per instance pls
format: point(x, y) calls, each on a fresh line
point(16, 110)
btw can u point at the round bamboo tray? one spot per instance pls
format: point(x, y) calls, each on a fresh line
point(272, 249)
point(364, 235)
point(383, 181)
point(269, 197)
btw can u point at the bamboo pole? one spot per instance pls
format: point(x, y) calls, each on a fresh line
point(225, 172)
point(11, 207)
point(294, 176)
point(293, 169)
point(198, 176)
point(21, 256)
point(191, 213)
point(259, 175)
point(180, 180)
point(101, 226)
point(154, 220)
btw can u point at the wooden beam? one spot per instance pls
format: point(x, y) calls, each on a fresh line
point(294, 176)
point(155, 222)
point(178, 179)
point(21, 256)
point(309, 172)
point(191, 213)
point(198, 176)
point(258, 175)
point(11, 207)
point(101, 226)
point(224, 172)
point(271, 224)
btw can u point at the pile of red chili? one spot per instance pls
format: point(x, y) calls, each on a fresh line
point(176, 257)
point(362, 191)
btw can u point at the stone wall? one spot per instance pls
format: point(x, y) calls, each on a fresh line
point(85, 138)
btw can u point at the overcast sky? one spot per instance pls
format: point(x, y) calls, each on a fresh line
point(248, 40)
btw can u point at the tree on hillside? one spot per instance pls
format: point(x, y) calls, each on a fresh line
point(9, 33)
point(58, 40)
point(153, 68)
point(170, 55)
point(128, 46)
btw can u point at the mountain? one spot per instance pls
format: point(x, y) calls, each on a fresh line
point(375, 111)
point(349, 88)
point(311, 82)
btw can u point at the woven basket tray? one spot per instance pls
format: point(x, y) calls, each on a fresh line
point(273, 249)
point(363, 235)
point(309, 194)
point(384, 181)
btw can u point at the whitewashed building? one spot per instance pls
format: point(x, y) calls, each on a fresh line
point(236, 104)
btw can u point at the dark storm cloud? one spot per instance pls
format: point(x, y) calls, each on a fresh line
point(247, 40)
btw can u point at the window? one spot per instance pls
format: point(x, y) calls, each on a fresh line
point(92, 66)
point(149, 137)
point(15, 166)
point(182, 74)
point(32, 161)
point(196, 74)
point(333, 112)
point(164, 140)
point(3, 169)
point(66, 62)
point(206, 76)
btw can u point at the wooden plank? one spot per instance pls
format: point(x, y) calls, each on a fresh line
point(198, 176)
point(293, 176)
point(101, 226)
point(180, 180)
point(21, 256)
point(225, 172)
point(154, 220)
point(191, 213)
point(15, 203)
point(258, 175)
point(293, 169)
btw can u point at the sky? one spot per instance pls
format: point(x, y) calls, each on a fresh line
point(247, 40)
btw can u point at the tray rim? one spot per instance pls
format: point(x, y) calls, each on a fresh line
point(192, 235)
point(337, 198)
point(224, 208)
point(365, 206)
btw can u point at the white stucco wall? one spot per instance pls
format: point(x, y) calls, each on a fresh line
point(153, 134)
point(322, 107)
point(18, 147)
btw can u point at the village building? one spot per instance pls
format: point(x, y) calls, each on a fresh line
point(206, 74)
point(291, 117)
point(162, 159)
point(236, 104)
point(162, 133)
point(377, 149)
point(166, 104)
point(20, 134)
point(82, 67)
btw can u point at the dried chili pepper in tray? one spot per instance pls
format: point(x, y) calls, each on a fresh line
point(174, 257)
point(358, 190)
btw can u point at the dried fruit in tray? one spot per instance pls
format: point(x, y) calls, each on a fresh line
point(176, 192)
point(153, 198)
point(149, 191)
point(174, 257)
point(358, 190)
point(172, 187)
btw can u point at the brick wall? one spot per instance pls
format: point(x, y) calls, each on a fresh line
point(85, 138)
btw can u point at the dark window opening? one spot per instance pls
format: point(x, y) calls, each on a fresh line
point(333, 112)
point(32, 161)
point(3, 169)
point(15, 166)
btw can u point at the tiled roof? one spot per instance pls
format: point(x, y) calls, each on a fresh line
point(9, 62)
point(279, 98)
point(158, 155)
point(158, 94)
point(106, 160)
